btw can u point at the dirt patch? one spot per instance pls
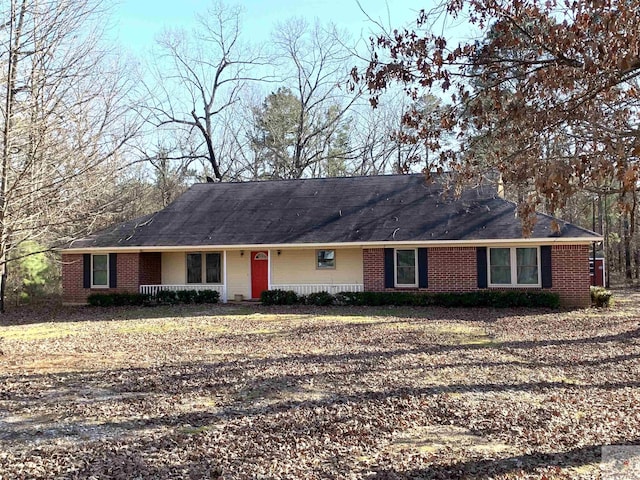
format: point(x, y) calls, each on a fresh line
point(434, 438)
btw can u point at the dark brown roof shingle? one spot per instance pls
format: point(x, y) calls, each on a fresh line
point(328, 210)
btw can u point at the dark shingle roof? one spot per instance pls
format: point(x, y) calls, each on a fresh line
point(329, 210)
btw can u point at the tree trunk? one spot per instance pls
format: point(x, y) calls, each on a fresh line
point(628, 274)
point(605, 234)
point(15, 32)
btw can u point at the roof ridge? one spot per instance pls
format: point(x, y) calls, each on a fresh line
point(282, 180)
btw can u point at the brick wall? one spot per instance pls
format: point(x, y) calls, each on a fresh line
point(453, 269)
point(570, 271)
point(128, 273)
point(373, 269)
point(72, 291)
point(150, 268)
point(134, 269)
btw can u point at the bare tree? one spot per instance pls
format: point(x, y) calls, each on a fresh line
point(198, 77)
point(64, 123)
point(319, 63)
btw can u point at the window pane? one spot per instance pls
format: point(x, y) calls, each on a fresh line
point(500, 257)
point(100, 262)
point(500, 265)
point(406, 276)
point(194, 268)
point(213, 268)
point(527, 263)
point(99, 277)
point(406, 258)
point(405, 267)
point(326, 259)
point(99, 274)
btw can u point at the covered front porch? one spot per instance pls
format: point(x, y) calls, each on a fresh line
point(245, 273)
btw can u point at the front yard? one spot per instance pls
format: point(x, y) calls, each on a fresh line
point(253, 392)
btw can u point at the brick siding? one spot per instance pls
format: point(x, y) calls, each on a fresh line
point(453, 269)
point(134, 269)
point(72, 275)
point(373, 269)
point(570, 272)
point(150, 268)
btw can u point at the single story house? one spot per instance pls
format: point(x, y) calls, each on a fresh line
point(378, 233)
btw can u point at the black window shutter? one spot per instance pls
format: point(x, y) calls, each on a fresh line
point(388, 268)
point(86, 270)
point(423, 268)
point(113, 270)
point(545, 266)
point(481, 257)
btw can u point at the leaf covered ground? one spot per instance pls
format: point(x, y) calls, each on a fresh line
point(250, 392)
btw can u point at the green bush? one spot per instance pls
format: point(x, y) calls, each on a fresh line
point(483, 298)
point(279, 297)
point(186, 296)
point(117, 299)
point(167, 297)
point(321, 299)
point(100, 300)
point(206, 296)
point(120, 299)
point(601, 297)
point(139, 299)
point(162, 297)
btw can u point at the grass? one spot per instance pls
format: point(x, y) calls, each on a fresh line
point(161, 327)
point(39, 331)
point(241, 392)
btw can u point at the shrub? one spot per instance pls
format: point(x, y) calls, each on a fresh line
point(484, 298)
point(347, 298)
point(481, 298)
point(206, 296)
point(100, 300)
point(279, 297)
point(167, 297)
point(601, 297)
point(186, 296)
point(139, 299)
point(321, 299)
point(162, 297)
point(118, 299)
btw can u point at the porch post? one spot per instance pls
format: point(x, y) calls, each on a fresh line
point(224, 279)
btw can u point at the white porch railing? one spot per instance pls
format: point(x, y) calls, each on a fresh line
point(154, 289)
point(333, 288)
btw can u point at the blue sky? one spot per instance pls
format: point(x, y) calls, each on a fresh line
point(137, 22)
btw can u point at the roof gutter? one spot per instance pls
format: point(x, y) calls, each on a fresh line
point(429, 243)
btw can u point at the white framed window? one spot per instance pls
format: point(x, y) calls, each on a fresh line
point(99, 271)
point(207, 266)
point(514, 266)
point(325, 259)
point(406, 267)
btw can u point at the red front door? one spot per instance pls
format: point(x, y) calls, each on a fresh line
point(259, 273)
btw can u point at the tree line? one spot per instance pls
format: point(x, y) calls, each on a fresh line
point(545, 95)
